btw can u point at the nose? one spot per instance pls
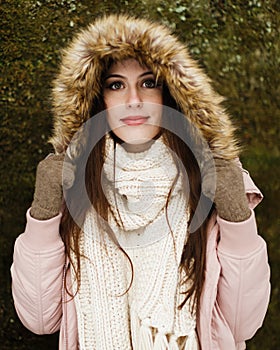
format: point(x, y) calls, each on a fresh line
point(134, 100)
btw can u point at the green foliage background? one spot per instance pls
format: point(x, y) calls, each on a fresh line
point(237, 42)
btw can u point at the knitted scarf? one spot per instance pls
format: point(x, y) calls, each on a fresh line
point(111, 313)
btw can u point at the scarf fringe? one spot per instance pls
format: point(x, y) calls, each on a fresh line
point(145, 338)
point(161, 342)
point(173, 345)
point(192, 342)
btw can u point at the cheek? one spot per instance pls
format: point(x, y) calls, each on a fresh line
point(155, 96)
point(159, 99)
point(156, 111)
point(109, 102)
point(111, 119)
point(113, 98)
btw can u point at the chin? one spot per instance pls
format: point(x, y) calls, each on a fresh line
point(135, 135)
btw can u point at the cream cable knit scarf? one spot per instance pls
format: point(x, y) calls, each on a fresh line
point(146, 317)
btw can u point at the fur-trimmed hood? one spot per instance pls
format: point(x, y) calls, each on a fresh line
point(119, 37)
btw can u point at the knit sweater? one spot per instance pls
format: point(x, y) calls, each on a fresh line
point(111, 313)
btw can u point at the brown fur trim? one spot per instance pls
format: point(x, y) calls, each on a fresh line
point(119, 37)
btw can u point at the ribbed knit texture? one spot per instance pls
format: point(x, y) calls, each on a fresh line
point(146, 317)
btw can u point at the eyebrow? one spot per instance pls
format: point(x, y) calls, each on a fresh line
point(123, 77)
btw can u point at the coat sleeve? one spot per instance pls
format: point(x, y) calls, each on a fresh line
point(37, 275)
point(244, 287)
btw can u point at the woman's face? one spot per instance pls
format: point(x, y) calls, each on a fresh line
point(133, 100)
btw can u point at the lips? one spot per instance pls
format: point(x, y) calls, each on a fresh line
point(134, 120)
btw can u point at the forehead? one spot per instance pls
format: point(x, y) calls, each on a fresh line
point(127, 67)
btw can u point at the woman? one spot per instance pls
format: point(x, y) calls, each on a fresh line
point(130, 253)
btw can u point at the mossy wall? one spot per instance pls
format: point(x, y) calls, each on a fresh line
point(237, 42)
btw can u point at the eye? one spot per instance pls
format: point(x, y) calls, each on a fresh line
point(149, 83)
point(116, 85)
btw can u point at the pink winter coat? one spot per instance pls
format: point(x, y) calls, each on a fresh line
point(233, 303)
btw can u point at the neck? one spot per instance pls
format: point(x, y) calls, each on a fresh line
point(137, 148)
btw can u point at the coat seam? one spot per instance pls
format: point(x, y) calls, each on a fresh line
point(239, 299)
point(39, 298)
point(250, 255)
point(64, 308)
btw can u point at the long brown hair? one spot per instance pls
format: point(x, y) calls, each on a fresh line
point(193, 259)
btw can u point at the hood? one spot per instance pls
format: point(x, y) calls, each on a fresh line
point(118, 37)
